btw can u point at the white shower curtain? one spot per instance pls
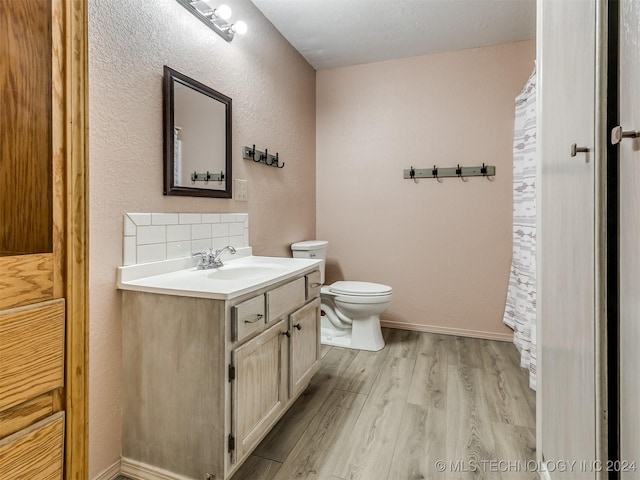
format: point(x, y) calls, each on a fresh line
point(520, 311)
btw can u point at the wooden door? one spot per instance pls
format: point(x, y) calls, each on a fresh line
point(566, 234)
point(629, 232)
point(259, 391)
point(305, 346)
point(42, 240)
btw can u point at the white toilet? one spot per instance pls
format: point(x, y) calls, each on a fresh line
point(350, 310)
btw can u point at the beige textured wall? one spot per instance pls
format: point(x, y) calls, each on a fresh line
point(445, 248)
point(273, 92)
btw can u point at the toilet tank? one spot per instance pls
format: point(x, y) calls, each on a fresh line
point(312, 249)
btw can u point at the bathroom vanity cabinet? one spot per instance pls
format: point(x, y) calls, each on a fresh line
point(205, 379)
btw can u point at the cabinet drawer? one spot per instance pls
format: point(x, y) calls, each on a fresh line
point(313, 284)
point(247, 317)
point(286, 298)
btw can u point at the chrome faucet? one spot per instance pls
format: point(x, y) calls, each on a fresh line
point(211, 259)
point(214, 258)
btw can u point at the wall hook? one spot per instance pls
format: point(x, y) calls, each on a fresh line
point(278, 161)
point(459, 173)
point(434, 173)
point(252, 153)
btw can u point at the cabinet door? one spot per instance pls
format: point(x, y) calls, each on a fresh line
point(305, 346)
point(259, 390)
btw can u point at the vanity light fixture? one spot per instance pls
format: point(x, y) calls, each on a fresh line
point(215, 18)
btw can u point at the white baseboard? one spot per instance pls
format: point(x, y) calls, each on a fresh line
point(460, 332)
point(110, 473)
point(142, 471)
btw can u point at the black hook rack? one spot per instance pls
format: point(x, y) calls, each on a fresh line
point(458, 171)
point(250, 153)
point(206, 177)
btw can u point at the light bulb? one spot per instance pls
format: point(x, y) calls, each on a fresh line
point(239, 27)
point(223, 12)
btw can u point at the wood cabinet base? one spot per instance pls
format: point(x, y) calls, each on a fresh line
point(196, 400)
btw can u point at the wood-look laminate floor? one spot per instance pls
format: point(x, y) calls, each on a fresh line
point(393, 414)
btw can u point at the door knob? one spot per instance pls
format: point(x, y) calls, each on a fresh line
point(286, 334)
point(617, 135)
point(575, 149)
point(298, 326)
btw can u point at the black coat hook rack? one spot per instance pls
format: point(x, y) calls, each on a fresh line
point(250, 153)
point(458, 171)
point(207, 177)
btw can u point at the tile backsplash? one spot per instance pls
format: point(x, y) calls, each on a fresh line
point(153, 237)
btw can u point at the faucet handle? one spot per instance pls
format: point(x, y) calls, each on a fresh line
point(199, 254)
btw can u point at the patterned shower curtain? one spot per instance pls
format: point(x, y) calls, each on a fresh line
point(520, 311)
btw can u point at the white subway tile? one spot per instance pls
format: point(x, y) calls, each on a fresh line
point(200, 231)
point(150, 237)
point(164, 219)
point(177, 233)
point(190, 218)
point(228, 217)
point(220, 230)
point(153, 234)
point(129, 228)
point(201, 244)
point(210, 218)
point(179, 249)
point(129, 251)
point(140, 219)
point(236, 228)
point(152, 253)
point(220, 242)
point(237, 241)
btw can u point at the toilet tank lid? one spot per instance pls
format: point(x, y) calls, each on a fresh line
point(309, 245)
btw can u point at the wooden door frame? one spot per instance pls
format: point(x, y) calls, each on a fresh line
point(72, 92)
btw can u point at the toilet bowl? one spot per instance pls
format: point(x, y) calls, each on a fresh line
point(350, 310)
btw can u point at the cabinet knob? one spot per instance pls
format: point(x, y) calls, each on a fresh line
point(617, 135)
point(575, 149)
point(298, 326)
point(286, 334)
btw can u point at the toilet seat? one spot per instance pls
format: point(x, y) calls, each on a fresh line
point(360, 289)
point(358, 292)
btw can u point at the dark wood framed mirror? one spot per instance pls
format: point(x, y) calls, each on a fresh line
point(197, 138)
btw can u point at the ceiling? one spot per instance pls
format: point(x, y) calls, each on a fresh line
point(337, 33)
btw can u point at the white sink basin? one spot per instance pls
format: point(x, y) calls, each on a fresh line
point(236, 277)
point(233, 271)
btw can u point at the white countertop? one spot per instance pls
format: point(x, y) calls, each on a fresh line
point(237, 277)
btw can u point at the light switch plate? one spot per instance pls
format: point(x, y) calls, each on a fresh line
point(241, 190)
